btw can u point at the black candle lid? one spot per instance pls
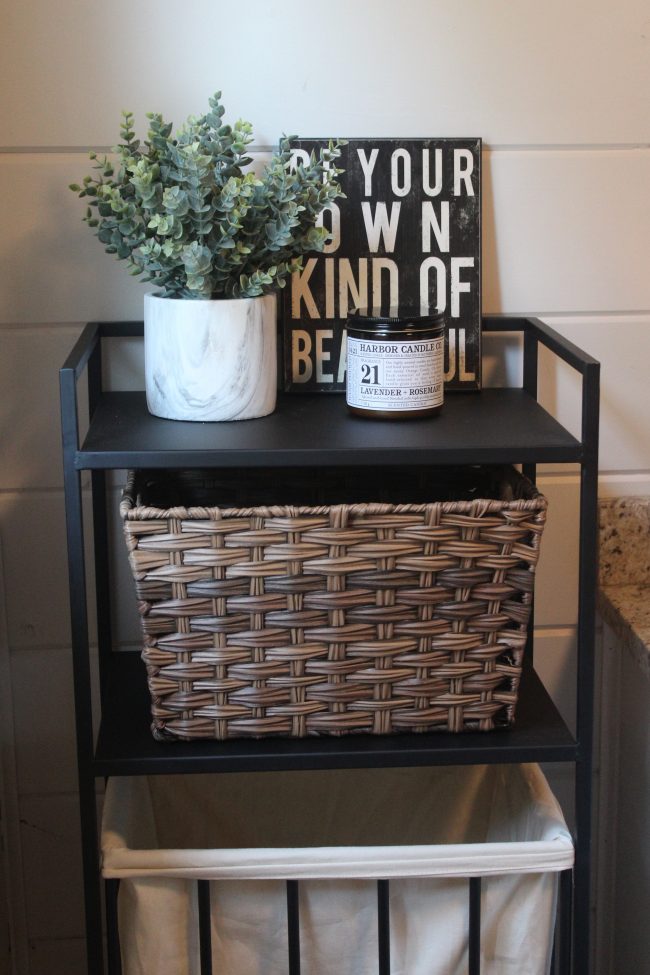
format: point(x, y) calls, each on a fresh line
point(394, 321)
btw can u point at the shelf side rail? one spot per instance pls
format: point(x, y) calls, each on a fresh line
point(536, 332)
point(68, 377)
point(85, 357)
point(566, 350)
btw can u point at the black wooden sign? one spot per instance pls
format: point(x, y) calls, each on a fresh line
point(407, 236)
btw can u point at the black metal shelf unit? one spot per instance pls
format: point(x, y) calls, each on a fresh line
point(495, 426)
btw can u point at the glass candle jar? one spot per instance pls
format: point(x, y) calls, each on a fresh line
point(395, 365)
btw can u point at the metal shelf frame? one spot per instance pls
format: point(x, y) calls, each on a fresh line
point(494, 426)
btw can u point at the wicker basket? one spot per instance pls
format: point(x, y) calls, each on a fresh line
point(332, 616)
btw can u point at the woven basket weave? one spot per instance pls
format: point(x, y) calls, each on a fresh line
point(332, 617)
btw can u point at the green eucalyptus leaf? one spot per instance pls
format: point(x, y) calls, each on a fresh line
point(187, 214)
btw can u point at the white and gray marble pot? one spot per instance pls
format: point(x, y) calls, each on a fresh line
point(210, 360)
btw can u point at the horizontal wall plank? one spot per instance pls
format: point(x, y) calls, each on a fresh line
point(549, 220)
point(36, 570)
point(561, 778)
point(524, 73)
point(12, 911)
point(622, 345)
point(46, 756)
point(58, 956)
point(555, 662)
point(635, 484)
point(566, 231)
point(30, 449)
point(556, 585)
point(52, 862)
point(44, 721)
point(52, 269)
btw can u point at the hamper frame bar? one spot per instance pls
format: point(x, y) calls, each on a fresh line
point(205, 926)
point(561, 954)
point(383, 927)
point(109, 444)
point(474, 927)
point(293, 926)
point(113, 955)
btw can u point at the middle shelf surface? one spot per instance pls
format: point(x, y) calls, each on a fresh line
point(497, 426)
point(125, 745)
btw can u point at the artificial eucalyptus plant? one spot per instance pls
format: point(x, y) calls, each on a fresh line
point(183, 213)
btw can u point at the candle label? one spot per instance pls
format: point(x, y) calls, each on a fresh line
point(406, 375)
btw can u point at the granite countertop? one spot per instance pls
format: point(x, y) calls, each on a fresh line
point(624, 586)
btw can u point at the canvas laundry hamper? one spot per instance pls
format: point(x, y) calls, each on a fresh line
point(425, 829)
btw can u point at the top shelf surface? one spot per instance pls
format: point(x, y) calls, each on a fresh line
point(316, 430)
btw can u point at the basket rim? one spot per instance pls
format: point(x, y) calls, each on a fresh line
point(130, 510)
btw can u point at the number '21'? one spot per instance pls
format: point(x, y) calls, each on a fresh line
point(370, 375)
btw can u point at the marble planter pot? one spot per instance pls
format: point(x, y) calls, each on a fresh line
point(210, 360)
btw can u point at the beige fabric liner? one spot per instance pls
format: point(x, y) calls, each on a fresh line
point(426, 829)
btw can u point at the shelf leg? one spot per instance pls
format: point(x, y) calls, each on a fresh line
point(84, 724)
point(81, 674)
point(588, 581)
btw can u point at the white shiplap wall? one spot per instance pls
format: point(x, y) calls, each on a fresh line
point(559, 92)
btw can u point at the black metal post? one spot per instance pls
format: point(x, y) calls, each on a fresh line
point(293, 926)
point(205, 926)
point(474, 926)
point(102, 576)
point(588, 580)
point(81, 673)
point(100, 528)
point(383, 926)
point(589, 368)
point(530, 377)
point(113, 953)
point(561, 961)
point(531, 361)
point(100, 531)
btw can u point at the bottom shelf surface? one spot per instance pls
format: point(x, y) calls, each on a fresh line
point(125, 745)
